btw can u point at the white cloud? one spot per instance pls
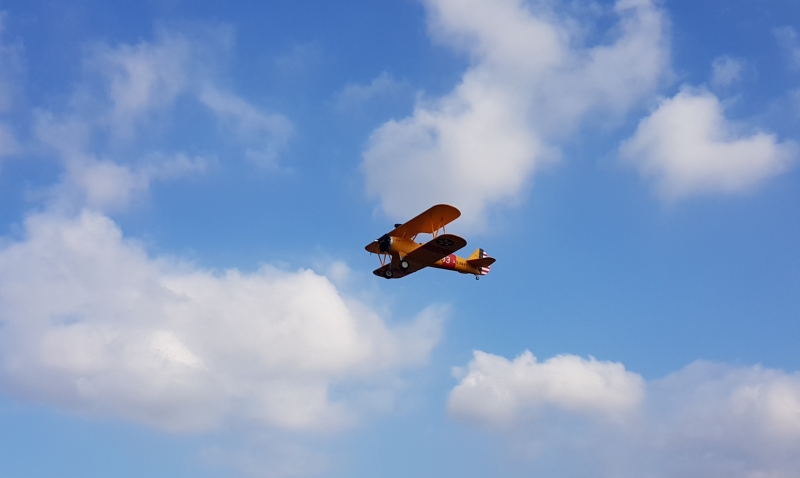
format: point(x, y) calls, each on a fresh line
point(726, 71)
point(90, 323)
point(705, 420)
point(532, 81)
point(689, 147)
point(499, 392)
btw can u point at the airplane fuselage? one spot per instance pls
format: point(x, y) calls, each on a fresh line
point(400, 247)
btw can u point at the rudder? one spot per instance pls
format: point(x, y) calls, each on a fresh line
point(481, 260)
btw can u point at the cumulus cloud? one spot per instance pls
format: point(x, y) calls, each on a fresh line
point(708, 419)
point(497, 391)
point(534, 77)
point(89, 322)
point(689, 147)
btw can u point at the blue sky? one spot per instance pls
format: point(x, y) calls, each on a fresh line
point(186, 190)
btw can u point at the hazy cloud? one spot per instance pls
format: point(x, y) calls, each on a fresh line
point(8, 143)
point(11, 68)
point(142, 78)
point(101, 183)
point(301, 59)
point(353, 95)
point(125, 90)
point(107, 186)
point(726, 71)
point(788, 40)
point(262, 134)
point(689, 147)
point(269, 458)
point(147, 78)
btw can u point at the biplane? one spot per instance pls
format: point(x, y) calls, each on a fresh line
point(400, 253)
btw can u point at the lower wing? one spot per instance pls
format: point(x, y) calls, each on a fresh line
point(435, 249)
point(421, 257)
point(395, 270)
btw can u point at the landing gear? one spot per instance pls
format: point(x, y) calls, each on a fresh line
point(404, 265)
point(477, 277)
point(388, 273)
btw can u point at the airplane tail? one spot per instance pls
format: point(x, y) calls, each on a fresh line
point(481, 260)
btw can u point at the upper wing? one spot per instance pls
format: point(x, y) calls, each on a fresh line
point(428, 222)
point(433, 250)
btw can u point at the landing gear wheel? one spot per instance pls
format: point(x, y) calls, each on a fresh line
point(477, 278)
point(404, 265)
point(388, 273)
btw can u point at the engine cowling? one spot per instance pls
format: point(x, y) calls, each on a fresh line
point(385, 243)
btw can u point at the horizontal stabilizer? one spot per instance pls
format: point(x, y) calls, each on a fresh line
point(482, 262)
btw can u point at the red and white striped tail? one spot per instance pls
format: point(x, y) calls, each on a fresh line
point(484, 270)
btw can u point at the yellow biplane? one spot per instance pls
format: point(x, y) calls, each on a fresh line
point(401, 255)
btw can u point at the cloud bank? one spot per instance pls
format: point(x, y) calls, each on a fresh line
point(90, 323)
point(707, 419)
point(536, 74)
